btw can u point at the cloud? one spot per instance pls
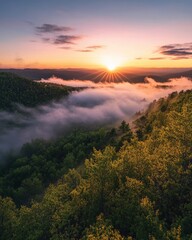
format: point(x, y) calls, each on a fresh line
point(19, 60)
point(84, 50)
point(157, 58)
point(177, 51)
point(66, 39)
point(66, 48)
point(46, 39)
point(173, 52)
point(151, 58)
point(47, 33)
point(52, 28)
point(90, 48)
point(99, 104)
point(179, 58)
point(94, 47)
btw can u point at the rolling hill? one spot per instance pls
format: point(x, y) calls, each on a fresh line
point(19, 90)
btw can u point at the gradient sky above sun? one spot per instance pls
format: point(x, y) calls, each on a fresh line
point(86, 33)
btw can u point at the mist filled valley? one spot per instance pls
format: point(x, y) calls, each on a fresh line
point(86, 105)
point(84, 159)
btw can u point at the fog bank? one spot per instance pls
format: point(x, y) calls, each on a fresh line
point(97, 105)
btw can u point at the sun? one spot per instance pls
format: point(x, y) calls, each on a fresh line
point(111, 62)
point(111, 66)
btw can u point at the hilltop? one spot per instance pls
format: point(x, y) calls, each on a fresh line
point(19, 90)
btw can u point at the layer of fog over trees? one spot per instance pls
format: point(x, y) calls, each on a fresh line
point(99, 104)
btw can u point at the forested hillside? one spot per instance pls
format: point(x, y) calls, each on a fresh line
point(14, 89)
point(132, 185)
point(41, 162)
point(158, 109)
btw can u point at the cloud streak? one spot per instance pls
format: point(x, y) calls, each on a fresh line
point(84, 50)
point(49, 33)
point(52, 28)
point(157, 58)
point(66, 48)
point(177, 51)
point(66, 39)
point(58, 35)
point(94, 47)
point(91, 48)
point(19, 60)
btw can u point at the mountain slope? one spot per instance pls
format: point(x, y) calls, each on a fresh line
point(14, 89)
point(155, 115)
point(141, 191)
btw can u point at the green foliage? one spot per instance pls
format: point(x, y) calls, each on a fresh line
point(124, 127)
point(102, 230)
point(141, 191)
point(155, 116)
point(17, 90)
point(41, 163)
point(8, 218)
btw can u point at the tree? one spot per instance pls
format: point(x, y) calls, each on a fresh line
point(102, 229)
point(8, 218)
point(124, 127)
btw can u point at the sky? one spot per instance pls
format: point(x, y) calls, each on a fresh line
point(98, 33)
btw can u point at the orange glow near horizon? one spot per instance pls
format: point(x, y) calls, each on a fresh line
point(99, 35)
point(111, 67)
point(112, 62)
point(115, 53)
point(55, 58)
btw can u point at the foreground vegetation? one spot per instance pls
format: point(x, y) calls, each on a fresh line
point(17, 90)
point(41, 162)
point(137, 189)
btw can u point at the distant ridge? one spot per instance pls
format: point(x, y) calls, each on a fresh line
point(180, 74)
point(130, 75)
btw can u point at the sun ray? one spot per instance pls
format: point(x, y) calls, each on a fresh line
point(97, 76)
point(92, 75)
point(104, 76)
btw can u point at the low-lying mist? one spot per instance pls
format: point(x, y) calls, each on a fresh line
point(97, 105)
